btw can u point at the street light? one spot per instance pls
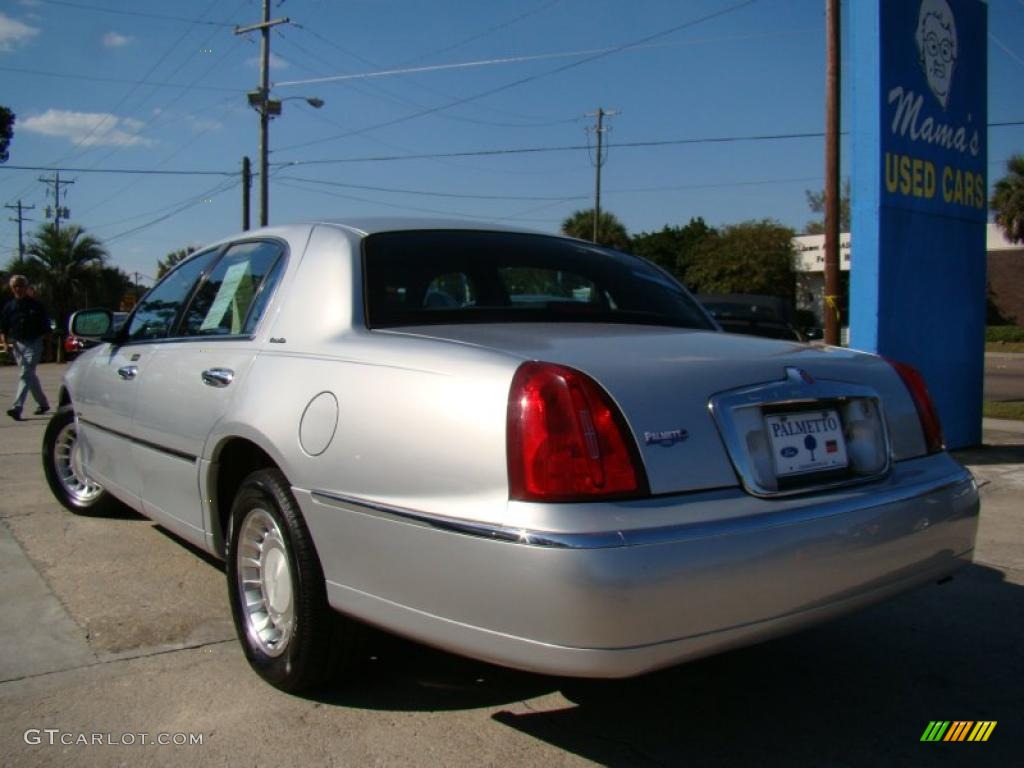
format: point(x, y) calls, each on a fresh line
point(267, 108)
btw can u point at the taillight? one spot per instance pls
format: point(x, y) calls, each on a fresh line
point(566, 439)
point(926, 411)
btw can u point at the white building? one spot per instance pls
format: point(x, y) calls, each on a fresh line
point(1005, 271)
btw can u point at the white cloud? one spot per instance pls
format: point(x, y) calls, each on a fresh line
point(203, 124)
point(89, 129)
point(14, 32)
point(276, 62)
point(115, 40)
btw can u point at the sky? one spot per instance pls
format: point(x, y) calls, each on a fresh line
point(428, 107)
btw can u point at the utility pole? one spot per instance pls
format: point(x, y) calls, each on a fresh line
point(58, 212)
point(21, 217)
point(246, 190)
point(831, 306)
point(599, 130)
point(260, 99)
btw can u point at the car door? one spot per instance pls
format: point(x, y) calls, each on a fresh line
point(192, 377)
point(107, 395)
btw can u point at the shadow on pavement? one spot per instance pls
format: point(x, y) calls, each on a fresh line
point(857, 691)
point(404, 676)
point(202, 554)
point(860, 691)
point(991, 454)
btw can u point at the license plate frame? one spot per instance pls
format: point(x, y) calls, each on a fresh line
point(806, 441)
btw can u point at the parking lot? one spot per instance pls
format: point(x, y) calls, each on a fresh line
point(112, 626)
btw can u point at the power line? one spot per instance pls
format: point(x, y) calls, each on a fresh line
point(410, 70)
point(381, 92)
point(59, 211)
point(397, 206)
point(552, 198)
point(148, 122)
point(579, 147)
point(122, 12)
point(489, 31)
point(467, 153)
point(376, 72)
point(531, 78)
point(21, 219)
point(565, 148)
point(427, 193)
point(153, 211)
point(120, 80)
point(213, 191)
point(106, 119)
point(1006, 49)
point(146, 171)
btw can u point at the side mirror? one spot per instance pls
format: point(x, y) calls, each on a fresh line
point(95, 324)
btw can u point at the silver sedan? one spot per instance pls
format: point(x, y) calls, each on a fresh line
point(518, 447)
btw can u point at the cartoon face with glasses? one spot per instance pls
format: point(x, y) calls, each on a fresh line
point(936, 44)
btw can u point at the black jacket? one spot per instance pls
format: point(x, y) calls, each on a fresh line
point(24, 320)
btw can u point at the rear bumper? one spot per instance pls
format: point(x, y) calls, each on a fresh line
point(623, 601)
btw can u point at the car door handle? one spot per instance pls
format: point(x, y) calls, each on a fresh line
point(218, 377)
point(128, 372)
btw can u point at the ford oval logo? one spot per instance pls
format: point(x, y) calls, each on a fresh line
point(789, 451)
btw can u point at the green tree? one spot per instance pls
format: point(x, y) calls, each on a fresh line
point(63, 263)
point(168, 262)
point(610, 230)
point(107, 287)
point(816, 202)
point(1008, 200)
point(6, 132)
point(672, 247)
point(751, 257)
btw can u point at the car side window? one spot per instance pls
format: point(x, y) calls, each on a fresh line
point(156, 314)
point(229, 301)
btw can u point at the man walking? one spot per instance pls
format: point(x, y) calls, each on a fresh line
point(23, 323)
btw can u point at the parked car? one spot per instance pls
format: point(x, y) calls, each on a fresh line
point(752, 314)
point(563, 466)
point(74, 344)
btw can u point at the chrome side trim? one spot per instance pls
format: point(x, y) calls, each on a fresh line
point(958, 484)
point(155, 446)
point(490, 531)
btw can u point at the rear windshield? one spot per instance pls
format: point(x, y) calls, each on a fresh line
point(443, 277)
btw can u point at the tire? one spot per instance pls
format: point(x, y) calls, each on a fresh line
point(64, 474)
point(291, 636)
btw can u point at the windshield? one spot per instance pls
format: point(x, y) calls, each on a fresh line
point(439, 276)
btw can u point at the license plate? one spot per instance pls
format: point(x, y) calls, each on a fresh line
point(806, 441)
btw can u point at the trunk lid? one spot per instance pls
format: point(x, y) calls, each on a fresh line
point(663, 380)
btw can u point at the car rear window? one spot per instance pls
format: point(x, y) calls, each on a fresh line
point(445, 276)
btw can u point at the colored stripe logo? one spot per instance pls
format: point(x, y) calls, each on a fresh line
point(958, 730)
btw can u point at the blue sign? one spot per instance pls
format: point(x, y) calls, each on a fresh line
point(933, 117)
point(919, 159)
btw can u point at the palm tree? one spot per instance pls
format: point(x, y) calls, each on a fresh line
point(172, 259)
point(63, 261)
point(1008, 200)
point(610, 230)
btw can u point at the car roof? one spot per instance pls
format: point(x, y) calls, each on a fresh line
point(374, 224)
point(370, 225)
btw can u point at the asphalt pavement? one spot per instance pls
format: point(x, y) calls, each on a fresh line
point(113, 628)
point(1004, 376)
